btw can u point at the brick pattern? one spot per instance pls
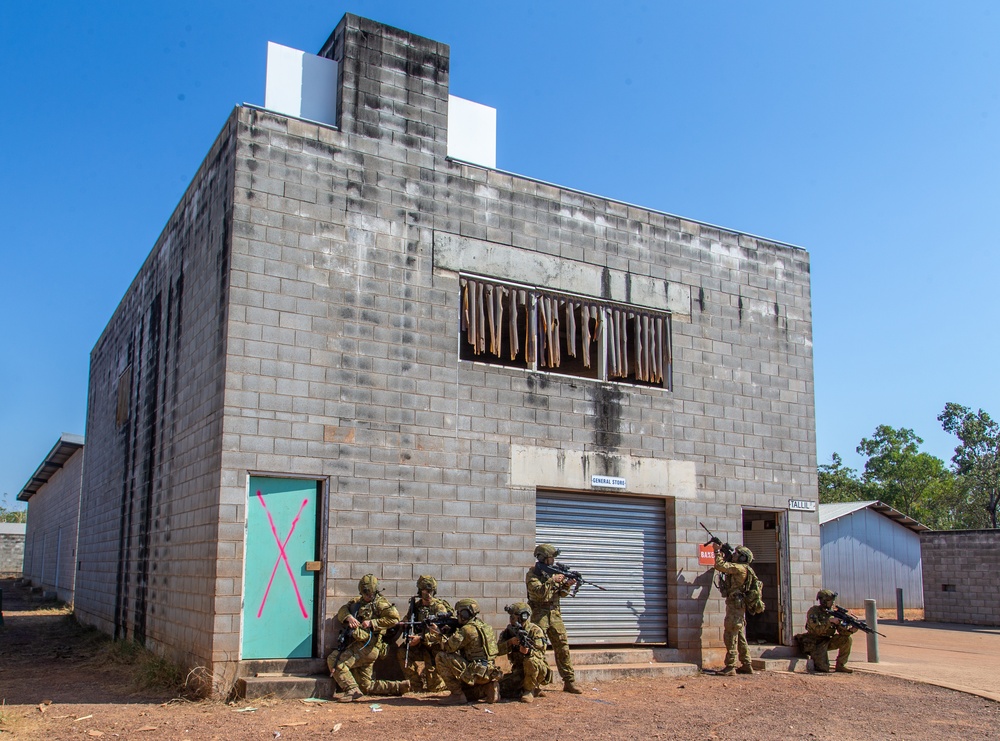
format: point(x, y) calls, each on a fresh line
point(11, 554)
point(50, 542)
point(961, 576)
point(341, 363)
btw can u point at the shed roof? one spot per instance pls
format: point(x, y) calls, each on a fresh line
point(836, 510)
point(61, 452)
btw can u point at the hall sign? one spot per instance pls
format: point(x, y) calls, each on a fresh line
point(803, 505)
point(608, 482)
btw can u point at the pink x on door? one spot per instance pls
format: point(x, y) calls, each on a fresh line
point(278, 596)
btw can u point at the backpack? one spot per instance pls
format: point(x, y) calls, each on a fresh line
point(753, 593)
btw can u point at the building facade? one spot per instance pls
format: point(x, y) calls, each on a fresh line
point(869, 550)
point(961, 570)
point(350, 353)
point(53, 497)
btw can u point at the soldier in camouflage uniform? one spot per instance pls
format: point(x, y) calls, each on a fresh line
point(365, 618)
point(465, 659)
point(544, 591)
point(529, 670)
point(734, 576)
point(825, 633)
point(422, 606)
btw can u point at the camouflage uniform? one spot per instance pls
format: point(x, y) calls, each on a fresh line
point(465, 658)
point(822, 636)
point(352, 668)
point(543, 596)
point(429, 679)
point(734, 577)
point(529, 671)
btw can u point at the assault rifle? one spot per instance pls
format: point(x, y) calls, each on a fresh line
point(561, 568)
point(727, 550)
point(445, 622)
point(848, 619)
point(523, 638)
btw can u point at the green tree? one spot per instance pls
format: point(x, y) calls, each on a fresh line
point(900, 475)
point(839, 483)
point(11, 515)
point(976, 459)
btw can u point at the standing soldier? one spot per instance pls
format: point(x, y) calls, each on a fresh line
point(465, 659)
point(524, 643)
point(422, 606)
point(365, 619)
point(734, 575)
point(825, 633)
point(544, 591)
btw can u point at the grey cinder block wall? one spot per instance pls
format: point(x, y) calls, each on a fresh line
point(300, 316)
point(11, 549)
point(961, 576)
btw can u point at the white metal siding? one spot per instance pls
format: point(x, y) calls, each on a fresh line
point(867, 556)
point(619, 543)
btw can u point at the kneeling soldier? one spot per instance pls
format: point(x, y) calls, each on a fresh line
point(524, 643)
point(365, 619)
point(465, 661)
point(424, 605)
point(825, 633)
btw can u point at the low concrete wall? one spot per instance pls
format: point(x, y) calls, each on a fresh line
point(961, 571)
point(11, 549)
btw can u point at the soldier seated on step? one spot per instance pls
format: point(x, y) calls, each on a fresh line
point(365, 618)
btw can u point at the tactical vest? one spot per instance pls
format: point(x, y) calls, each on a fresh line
point(486, 647)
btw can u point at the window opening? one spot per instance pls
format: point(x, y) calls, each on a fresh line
point(532, 328)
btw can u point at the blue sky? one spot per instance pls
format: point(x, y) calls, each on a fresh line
point(865, 132)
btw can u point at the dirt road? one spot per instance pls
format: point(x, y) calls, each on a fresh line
point(58, 682)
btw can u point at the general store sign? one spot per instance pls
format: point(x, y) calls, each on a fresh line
point(608, 482)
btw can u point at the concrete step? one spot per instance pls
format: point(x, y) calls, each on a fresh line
point(600, 672)
point(284, 686)
point(786, 664)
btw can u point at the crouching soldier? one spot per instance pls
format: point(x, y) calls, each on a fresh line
point(524, 643)
point(465, 660)
point(422, 606)
point(825, 633)
point(365, 619)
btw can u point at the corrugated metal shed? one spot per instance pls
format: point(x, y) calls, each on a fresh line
point(867, 551)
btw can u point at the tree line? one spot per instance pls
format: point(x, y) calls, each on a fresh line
point(962, 496)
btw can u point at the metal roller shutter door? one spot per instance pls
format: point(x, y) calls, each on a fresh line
point(619, 543)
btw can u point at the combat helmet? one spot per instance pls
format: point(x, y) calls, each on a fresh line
point(826, 595)
point(368, 584)
point(427, 582)
point(546, 550)
point(519, 610)
point(466, 609)
point(743, 554)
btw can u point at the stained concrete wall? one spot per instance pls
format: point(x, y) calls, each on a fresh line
point(50, 544)
point(11, 549)
point(150, 512)
point(961, 571)
point(334, 322)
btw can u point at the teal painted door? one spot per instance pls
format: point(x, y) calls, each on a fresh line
point(278, 602)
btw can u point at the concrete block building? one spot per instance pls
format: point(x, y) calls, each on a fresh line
point(353, 351)
point(53, 497)
point(961, 570)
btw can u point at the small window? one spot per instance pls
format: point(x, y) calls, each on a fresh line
point(531, 328)
point(124, 396)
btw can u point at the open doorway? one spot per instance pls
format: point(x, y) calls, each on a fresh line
point(762, 535)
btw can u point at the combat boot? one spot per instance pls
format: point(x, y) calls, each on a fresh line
point(403, 687)
point(527, 696)
point(492, 694)
point(538, 692)
point(729, 671)
point(844, 669)
point(354, 695)
point(570, 686)
point(456, 697)
point(745, 669)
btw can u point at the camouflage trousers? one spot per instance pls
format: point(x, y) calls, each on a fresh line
point(457, 672)
point(551, 623)
point(733, 635)
point(819, 650)
point(525, 675)
point(354, 669)
point(427, 679)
